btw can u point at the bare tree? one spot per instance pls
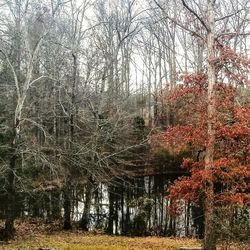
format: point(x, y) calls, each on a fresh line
point(23, 81)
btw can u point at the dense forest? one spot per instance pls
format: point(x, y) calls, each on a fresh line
point(128, 117)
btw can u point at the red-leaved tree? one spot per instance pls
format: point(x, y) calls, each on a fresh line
point(230, 169)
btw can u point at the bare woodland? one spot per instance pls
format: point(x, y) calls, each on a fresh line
point(82, 87)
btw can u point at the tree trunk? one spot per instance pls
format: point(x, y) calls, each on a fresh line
point(84, 224)
point(67, 209)
point(56, 207)
point(209, 240)
point(111, 212)
point(10, 211)
point(116, 214)
point(127, 222)
point(67, 191)
point(10, 178)
point(122, 209)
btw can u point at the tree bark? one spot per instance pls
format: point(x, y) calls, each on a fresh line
point(56, 206)
point(10, 178)
point(67, 190)
point(111, 212)
point(9, 229)
point(84, 224)
point(67, 209)
point(209, 240)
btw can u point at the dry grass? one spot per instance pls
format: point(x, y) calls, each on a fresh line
point(77, 241)
point(34, 234)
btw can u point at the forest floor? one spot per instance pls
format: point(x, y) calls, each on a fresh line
point(77, 241)
point(35, 236)
point(80, 241)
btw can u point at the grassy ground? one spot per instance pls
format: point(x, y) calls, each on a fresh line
point(77, 241)
point(33, 234)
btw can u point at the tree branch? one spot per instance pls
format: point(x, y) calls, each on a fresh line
point(196, 15)
point(229, 15)
point(233, 34)
point(37, 79)
point(178, 23)
point(14, 74)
